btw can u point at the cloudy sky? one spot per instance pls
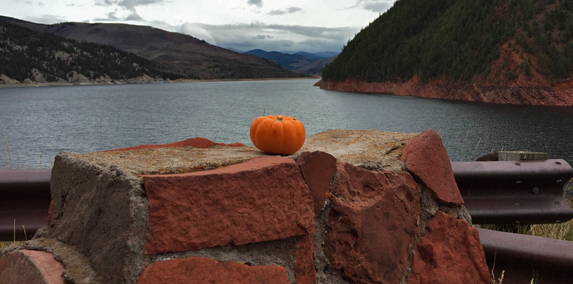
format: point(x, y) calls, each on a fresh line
point(286, 26)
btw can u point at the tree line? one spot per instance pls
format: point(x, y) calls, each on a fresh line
point(458, 40)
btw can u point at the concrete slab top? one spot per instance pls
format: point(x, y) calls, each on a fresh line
point(371, 149)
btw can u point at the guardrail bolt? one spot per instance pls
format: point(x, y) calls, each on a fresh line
point(535, 190)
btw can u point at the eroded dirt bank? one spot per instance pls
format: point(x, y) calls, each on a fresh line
point(549, 95)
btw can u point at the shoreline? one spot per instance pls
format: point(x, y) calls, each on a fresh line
point(34, 84)
point(541, 95)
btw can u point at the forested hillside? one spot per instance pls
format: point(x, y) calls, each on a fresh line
point(462, 41)
point(174, 52)
point(27, 54)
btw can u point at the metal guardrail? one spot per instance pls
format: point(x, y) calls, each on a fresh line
point(526, 192)
point(523, 258)
point(24, 202)
point(509, 192)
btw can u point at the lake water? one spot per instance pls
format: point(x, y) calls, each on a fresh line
point(38, 123)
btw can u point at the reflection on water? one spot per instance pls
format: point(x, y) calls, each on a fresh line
point(37, 123)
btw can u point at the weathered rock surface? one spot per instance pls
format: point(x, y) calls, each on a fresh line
point(373, 224)
point(259, 200)
point(449, 253)
point(555, 95)
point(317, 168)
point(102, 212)
point(304, 261)
point(198, 270)
point(427, 159)
point(50, 213)
point(29, 266)
point(370, 149)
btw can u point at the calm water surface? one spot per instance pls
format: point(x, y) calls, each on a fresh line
point(38, 123)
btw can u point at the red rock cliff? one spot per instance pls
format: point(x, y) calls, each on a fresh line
point(556, 95)
point(496, 87)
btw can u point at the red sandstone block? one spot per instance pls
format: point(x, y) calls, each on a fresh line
point(427, 159)
point(450, 253)
point(196, 142)
point(199, 270)
point(304, 269)
point(259, 200)
point(28, 266)
point(372, 225)
point(317, 168)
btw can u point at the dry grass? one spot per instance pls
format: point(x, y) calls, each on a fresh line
point(561, 231)
point(5, 244)
point(499, 280)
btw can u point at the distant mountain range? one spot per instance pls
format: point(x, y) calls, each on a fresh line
point(174, 53)
point(29, 57)
point(301, 62)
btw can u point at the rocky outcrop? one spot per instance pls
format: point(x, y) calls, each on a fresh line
point(38, 80)
point(354, 206)
point(7, 82)
point(552, 95)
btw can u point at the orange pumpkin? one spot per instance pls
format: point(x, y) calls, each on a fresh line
point(279, 134)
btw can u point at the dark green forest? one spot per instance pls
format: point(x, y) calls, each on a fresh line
point(459, 40)
point(22, 50)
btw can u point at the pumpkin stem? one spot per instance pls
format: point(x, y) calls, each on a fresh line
point(279, 117)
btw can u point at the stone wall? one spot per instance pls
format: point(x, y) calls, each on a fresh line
point(352, 206)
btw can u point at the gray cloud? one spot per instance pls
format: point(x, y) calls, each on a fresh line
point(127, 5)
point(283, 38)
point(262, 37)
point(111, 16)
point(287, 11)
point(46, 19)
point(116, 16)
point(105, 2)
point(131, 4)
point(133, 17)
point(377, 6)
point(372, 5)
point(258, 3)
